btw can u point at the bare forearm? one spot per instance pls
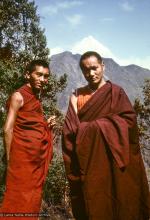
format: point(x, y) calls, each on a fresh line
point(7, 142)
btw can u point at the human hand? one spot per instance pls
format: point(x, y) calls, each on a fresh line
point(51, 121)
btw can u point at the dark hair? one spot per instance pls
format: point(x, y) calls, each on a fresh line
point(32, 65)
point(89, 54)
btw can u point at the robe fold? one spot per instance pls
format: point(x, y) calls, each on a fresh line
point(103, 160)
point(30, 155)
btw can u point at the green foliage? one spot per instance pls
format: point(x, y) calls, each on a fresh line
point(2, 172)
point(9, 81)
point(50, 103)
point(143, 115)
point(56, 190)
point(20, 30)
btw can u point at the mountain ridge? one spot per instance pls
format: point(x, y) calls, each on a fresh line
point(130, 78)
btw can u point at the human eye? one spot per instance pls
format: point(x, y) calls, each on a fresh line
point(86, 71)
point(94, 68)
point(38, 74)
point(46, 76)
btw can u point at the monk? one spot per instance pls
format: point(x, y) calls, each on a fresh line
point(101, 150)
point(28, 142)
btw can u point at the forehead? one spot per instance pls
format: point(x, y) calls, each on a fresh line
point(42, 69)
point(90, 61)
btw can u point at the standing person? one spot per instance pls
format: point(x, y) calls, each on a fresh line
point(28, 142)
point(101, 150)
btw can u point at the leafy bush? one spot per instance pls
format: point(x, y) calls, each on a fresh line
point(56, 190)
point(143, 115)
point(56, 200)
point(2, 172)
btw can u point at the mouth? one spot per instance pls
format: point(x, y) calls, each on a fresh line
point(39, 86)
point(93, 79)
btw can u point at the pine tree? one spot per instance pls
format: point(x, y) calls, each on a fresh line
point(20, 30)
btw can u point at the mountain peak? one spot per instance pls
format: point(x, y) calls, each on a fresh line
point(90, 43)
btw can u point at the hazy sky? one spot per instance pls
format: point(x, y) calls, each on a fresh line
point(118, 29)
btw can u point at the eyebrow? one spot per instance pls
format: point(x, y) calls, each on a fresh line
point(43, 73)
point(90, 67)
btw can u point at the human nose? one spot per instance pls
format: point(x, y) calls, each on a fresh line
point(91, 72)
point(42, 78)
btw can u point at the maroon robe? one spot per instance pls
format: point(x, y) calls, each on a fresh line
point(30, 155)
point(103, 160)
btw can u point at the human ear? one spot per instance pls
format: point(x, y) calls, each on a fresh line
point(103, 66)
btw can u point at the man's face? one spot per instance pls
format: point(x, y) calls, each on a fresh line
point(93, 71)
point(39, 77)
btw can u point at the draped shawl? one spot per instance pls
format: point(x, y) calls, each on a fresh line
point(102, 158)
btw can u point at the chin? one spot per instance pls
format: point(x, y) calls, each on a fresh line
point(94, 83)
point(37, 88)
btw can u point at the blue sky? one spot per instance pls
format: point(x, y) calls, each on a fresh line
point(119, 29)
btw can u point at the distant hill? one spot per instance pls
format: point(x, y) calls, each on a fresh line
point(131, 77)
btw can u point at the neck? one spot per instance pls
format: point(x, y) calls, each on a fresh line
point(36, 92)
point(93, 88)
